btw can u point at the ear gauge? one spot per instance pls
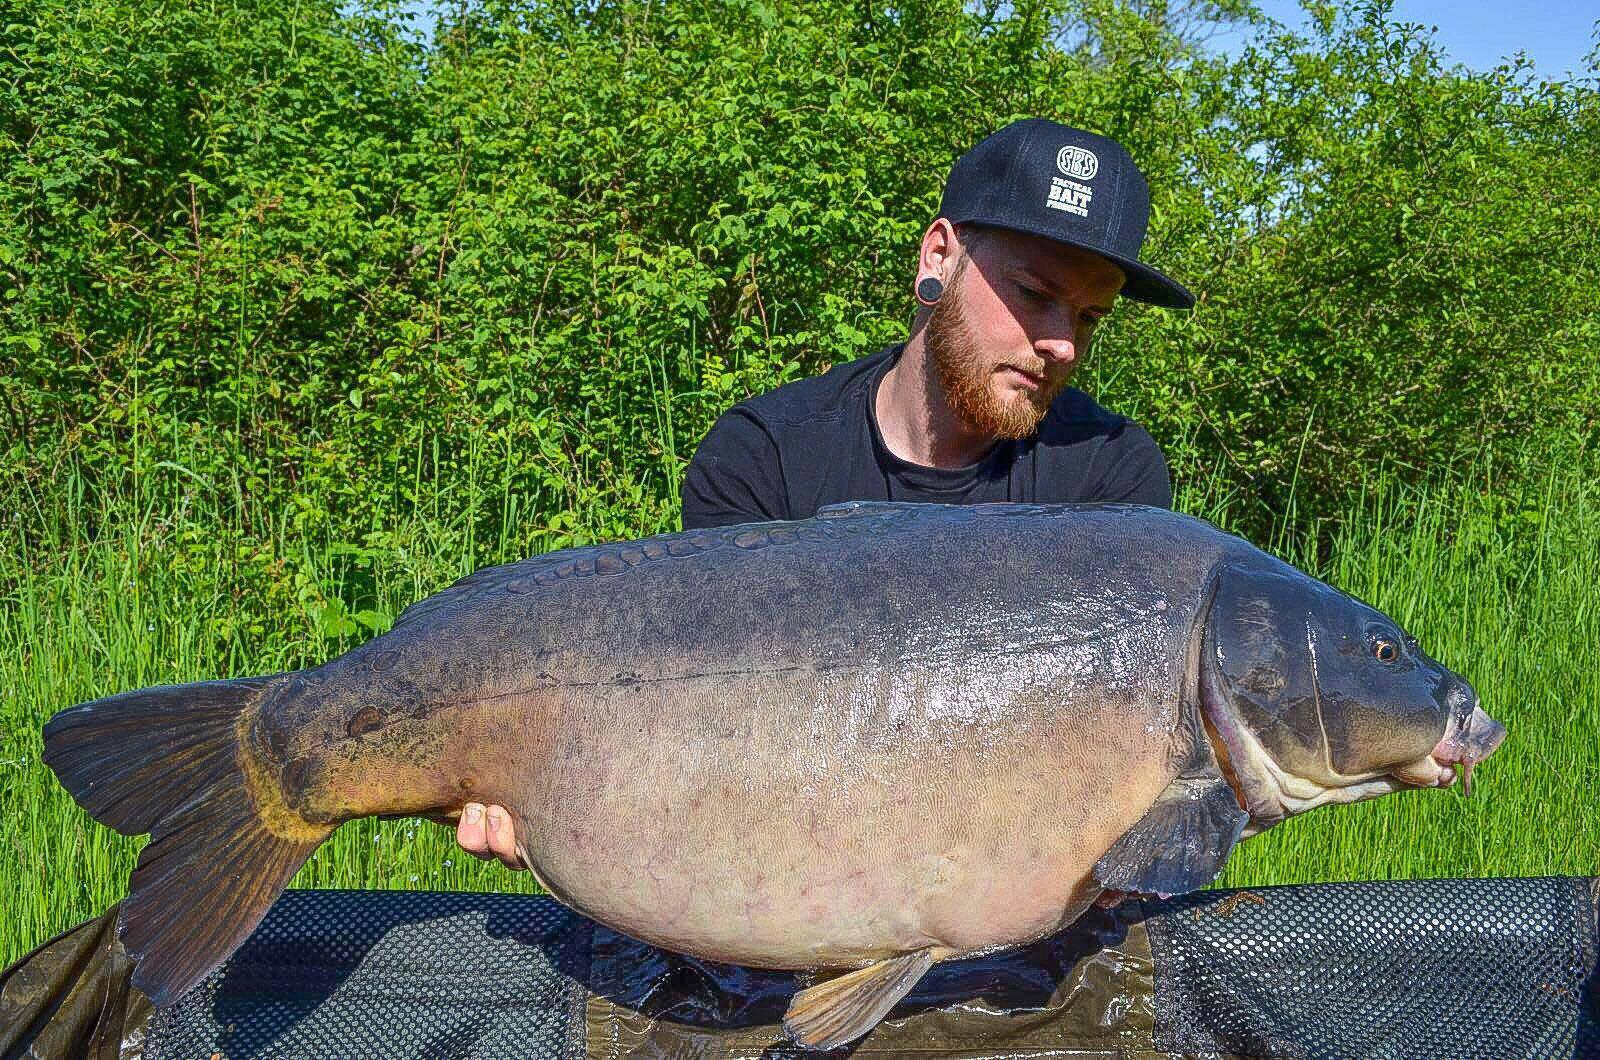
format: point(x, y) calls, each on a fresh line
point(929, 289)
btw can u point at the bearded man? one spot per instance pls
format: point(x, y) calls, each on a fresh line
point(1038, 232)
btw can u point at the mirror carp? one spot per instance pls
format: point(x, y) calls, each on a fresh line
point(878, 738)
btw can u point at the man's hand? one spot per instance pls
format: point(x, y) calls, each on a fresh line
point(488, 834)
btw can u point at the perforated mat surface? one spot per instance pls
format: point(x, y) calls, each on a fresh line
point(1435, 969)
point(334, 974)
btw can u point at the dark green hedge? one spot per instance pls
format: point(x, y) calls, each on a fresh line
point(295, 249)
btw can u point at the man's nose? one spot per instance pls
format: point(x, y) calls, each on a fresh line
point(1057, 351)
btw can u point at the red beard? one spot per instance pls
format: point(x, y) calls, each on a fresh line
point(967, 378)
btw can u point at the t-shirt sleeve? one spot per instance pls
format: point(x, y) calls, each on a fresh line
point(734, 476)
point(1137, 473)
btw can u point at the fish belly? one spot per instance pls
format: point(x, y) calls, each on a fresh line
point(795, 821)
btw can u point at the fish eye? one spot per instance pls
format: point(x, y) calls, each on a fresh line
point(1385, 650)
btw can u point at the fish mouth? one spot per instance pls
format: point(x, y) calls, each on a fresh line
point(1465, 744)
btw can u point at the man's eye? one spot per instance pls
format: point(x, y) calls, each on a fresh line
point(1031, 293)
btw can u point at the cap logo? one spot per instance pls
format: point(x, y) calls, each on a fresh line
point(1077, 162)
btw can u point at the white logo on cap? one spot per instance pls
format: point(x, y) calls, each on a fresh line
point(1077, 162)
point(1070, 196)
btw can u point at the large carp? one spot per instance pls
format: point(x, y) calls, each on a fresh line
point(878, 738)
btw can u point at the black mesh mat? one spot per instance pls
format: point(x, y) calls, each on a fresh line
point(1437, 968)
point(334, 974)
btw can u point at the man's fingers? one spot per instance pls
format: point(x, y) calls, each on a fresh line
point(502, 837)
point(470, 831)
point(488, 833)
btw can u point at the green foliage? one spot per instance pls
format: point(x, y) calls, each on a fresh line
point(1416, 276)
point(299, 258)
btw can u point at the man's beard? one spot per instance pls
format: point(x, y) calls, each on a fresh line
point(967, 379)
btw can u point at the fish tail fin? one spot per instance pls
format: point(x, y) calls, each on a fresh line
point(175, 761)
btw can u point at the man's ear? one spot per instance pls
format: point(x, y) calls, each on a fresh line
point(940, 248)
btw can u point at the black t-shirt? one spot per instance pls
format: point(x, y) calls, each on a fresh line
point(788, 452)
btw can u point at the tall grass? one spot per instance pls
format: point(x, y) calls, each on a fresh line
point(164, 580)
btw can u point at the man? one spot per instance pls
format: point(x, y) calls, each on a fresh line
point(1038, 232)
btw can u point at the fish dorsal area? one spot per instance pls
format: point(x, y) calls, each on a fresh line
point(610, 560)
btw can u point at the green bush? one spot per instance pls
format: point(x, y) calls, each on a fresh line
point(297, 257)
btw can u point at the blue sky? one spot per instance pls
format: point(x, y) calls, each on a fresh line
point(1556, 35)
point(1479, 33)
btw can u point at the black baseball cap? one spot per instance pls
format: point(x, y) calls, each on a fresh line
point(1043, 178)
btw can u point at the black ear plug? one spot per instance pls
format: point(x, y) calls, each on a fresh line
point(929, 289)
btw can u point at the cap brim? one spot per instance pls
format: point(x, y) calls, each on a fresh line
point(1145, 284)
point(1142, 283)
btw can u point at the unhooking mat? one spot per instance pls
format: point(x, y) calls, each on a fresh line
point(1432, 968)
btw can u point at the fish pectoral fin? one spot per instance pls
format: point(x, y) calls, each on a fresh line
point(1180, 844)
point(841, 1010)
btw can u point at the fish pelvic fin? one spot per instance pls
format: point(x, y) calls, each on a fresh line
point(1180, 844)
point(175, 761)
point(841, 1010)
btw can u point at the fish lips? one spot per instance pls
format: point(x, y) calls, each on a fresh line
point(1465, 744)
point(1470, 736)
